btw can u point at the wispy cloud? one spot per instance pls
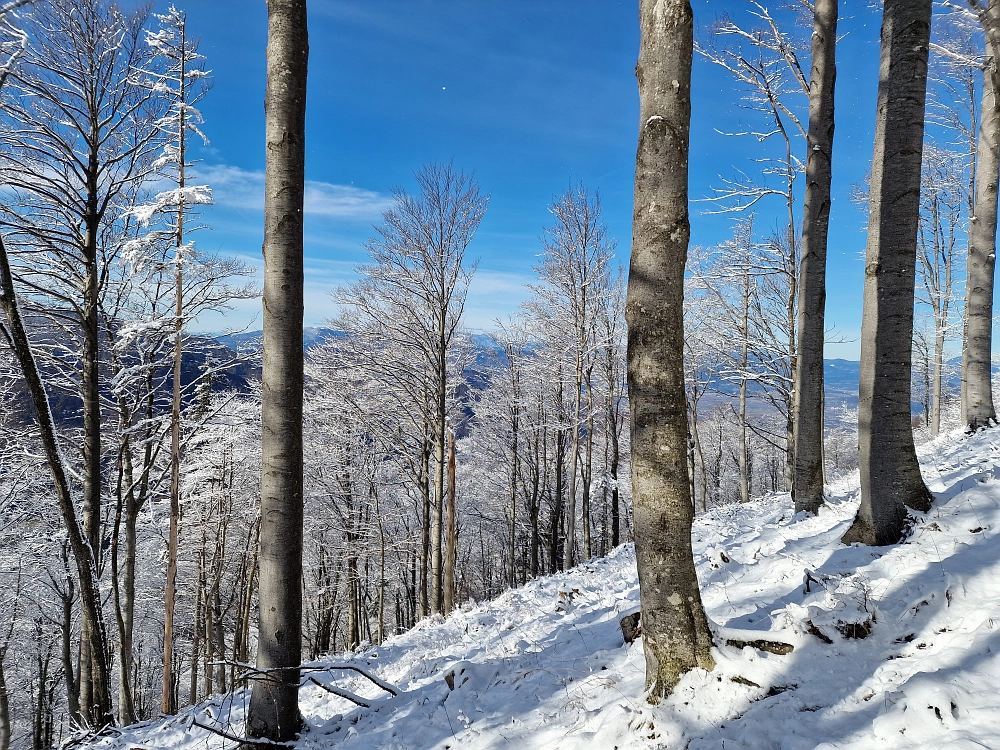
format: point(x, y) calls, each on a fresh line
point(244, 189)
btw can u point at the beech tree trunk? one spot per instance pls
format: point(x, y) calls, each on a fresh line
point(977, 393)
point(451, 530)
point(675, 628)
point(890, 474)
point(167, 702)
point(274, 711)
point(807, 479)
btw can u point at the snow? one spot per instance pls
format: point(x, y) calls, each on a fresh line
point(545, 666)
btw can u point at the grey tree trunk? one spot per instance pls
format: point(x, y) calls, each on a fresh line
point(167, 703)
point(807, 479)
point(675, 628)
point(451, 529)
point(977, 392)
point(274, 711)
point(890, 474)
point(573, 464)
point(743, 458)
point(97, 709)
point(440, 437)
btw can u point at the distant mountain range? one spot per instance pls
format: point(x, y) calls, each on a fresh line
point(239, 372)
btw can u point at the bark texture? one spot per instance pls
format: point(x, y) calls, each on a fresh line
point(675, 627)
point(890, 474)
point(274, 712)
point(977, 393)
point(807, 478)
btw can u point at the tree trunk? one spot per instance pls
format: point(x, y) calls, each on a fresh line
point(807, 481)
point(167, 703)
point(274, 712)
point(890, 474)
point(97, 709)
point(574, 461)
point(425, 529)
point(742, 458)
point(939, 338)
point(675, 628)
point(977, 393)
point(554, 558)
point(199, 609)
point(450, 530)
point(5, 725)
point(588, 473)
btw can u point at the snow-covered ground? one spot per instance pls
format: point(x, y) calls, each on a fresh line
point(545, 666)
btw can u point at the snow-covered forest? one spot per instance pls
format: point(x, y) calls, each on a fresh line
point(358, 523)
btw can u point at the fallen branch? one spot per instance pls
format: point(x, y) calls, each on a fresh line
point(391, 689)
point(341, 693)
point(760, 640)
point(242, 740)
point(773, 647)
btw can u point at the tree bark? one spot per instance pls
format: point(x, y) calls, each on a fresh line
point(574, 461)
point(807, 480)
point(675, 628)
point(890, 473)
point(977, 393)
point(167, 703)
point(274, 712)
point(450, 530)
point(425, 528)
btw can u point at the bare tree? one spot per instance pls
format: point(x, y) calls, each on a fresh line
point(80, 140)
point(675, 628)
point(890, 474)
point(183, 81)
point(413, 295)
point(274, 711)
point(575, 278)
point(943, 199)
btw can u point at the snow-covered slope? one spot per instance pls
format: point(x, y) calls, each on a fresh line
point(895, 647)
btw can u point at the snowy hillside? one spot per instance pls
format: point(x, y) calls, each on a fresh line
point(895, 647)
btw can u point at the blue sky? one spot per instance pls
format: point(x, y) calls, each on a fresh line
point(531, 96)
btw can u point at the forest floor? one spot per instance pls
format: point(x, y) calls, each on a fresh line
point(894, 647)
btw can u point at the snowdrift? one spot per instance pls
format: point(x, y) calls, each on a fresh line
point(894, 647)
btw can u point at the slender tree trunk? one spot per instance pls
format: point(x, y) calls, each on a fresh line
point(699, 456)
point(939, 340)
point(97, 708)
point(167, 704)
point(425, 532)
point(555, 522)
point(450, 530)
point(588, 469)
point(574, 463)
point(742, 458)
point(274, 712)
point(807, 481)
point(890, 474)
point(675, 628)
point(199, 608)
point(5, 725)
point(541, 439)
point(381, 576)
point(977, 392)
point(440, 440)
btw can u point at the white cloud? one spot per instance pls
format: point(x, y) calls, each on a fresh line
point(244, 189)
